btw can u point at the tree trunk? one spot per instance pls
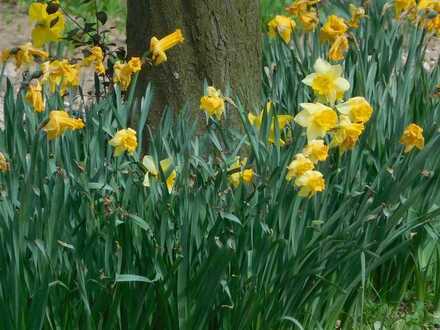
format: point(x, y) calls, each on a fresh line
point(222, 46)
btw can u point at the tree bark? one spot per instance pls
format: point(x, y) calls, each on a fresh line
point(222, 46)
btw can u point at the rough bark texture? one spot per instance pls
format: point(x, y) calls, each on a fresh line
point(222, 45)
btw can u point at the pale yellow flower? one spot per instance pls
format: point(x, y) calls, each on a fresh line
point(34, 96)
point(158, 47)
point(152, 171)
point(347, 134)
point(316, 151)
point(339, 48)
point(413, 137)
point(334, 27)
point(310, 183)
point(59, 122)
point(283, 26)
point(48, 27)
point(124, 140)
point(297, 167)
point(327, 82)
point(240, 174)
point(317, 118)
point(357, 109)
point(213, 103)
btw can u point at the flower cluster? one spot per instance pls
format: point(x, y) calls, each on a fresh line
point(425, 13)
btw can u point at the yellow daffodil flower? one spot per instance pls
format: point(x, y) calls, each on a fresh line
point(48, 27)
point(283, 26)
point(4, 165)
point(240, 174)
point(95, 58)
point(283, 120)
point(316, 151)
point(347, 134)
point(59, 122)
point(60, 73)
point(334, 27)
point(152, 171)
point(413, 137)
point(326, 81)
point(339, 48)
point(317, 118)
point(124, 71)
point(309, 20)
point(300, 165)
point(213, 103)
point(158, 47)
point(299, 7)
point(23, 55)
point(124, 140)
point(357, 109)
point(310, 183)
point(34, 96)
point(357, 13)
point(401, 6)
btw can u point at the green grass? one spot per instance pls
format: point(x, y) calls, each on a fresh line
point(84, 245)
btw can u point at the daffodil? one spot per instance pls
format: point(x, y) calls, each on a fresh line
point(347, 134)
point(158, 47)
point(4, 165)
point(283, 120)
point(240, 174)
point(24, 55)
point(152, 171)
point(124, 140)
point(300, 165)
point(123, 72)
point(34, 96)
point(96, 58)
point(413, 137)
point(48, 27)
point(401, 6)
point(59, 122)
point(299, 7)
point(213, 103)
point(283, 26)
point(357, 13)
point(334, 27)
point(309, 20)
point(60, 73)
point(310, 183)
point(429, 4)
point(326, 81)
point(316, 151)
point(357, 109)
point(339, 48)
point(317, 118)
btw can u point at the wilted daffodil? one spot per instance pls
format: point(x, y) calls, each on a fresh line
point(338, 48)
point(96, 58)
point(4, 165)
point(412, 137)
point(283, 120)
point(49, 26)
point(357, 109)
point(401, 6)
point(283, 26)
point(124, 140)
point(158, 47)
point(34, 96)
point(326, 81)
point(213, 103)
point(316, 151)
point(317, 118)
point(23, 55)
point(310, 183)
point(300, 165)
point(60, 73)
point(334, 27)
point(347, 134)
point(124, 71)
point(240, 174)
point(357, 13)
point(59, 122)
point(152, 171)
